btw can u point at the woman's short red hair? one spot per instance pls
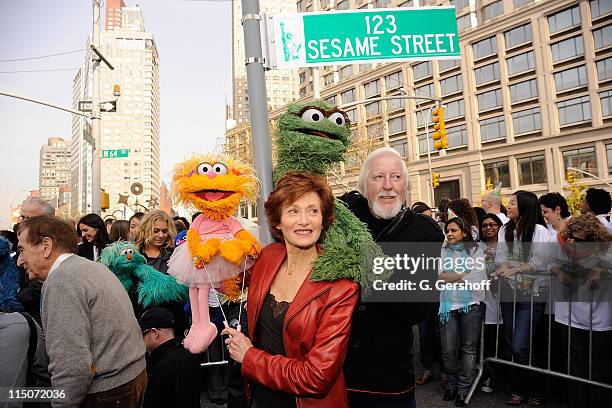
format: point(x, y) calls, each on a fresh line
point(289, 189)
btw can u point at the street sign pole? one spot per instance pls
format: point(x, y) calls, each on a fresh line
point(96, 176)
point(258, 107)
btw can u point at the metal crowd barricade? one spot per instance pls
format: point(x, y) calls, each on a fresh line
point(530, 366)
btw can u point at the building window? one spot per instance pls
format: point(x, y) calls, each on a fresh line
point(352, 115)
point(531, 170)
point(331, 100)
point(459, 4)
point(526, 121)
point(372, 88)
point(583, 159)
point(574, 110)
point(425, 142)
point(425, 90)
point(609, 151)
point(408, 3)
point(328, 79)
point(523, 91)
point(302, 77)
point(381, 3)
point(372, 109)
point(602, 37)
point(493, 10)
point(498, 172)
point(485, 47)
point(600, 7)
point(487, 73)
point(346, 71)
point(397, 125)
point(454, 109)
point(518, 35)
point(423, 118)
point(570, 48)
point(604, 69)
point(564, 19)
point(489, 100)
point(448, 64)
point(451, 85)
point(606, 103)
point(348, 96)
point(395, 104)
point(521, 63)
point(464, 22)
point(394, 80)
point(422, 70)
point(400, 147)
point(456, 136)
point(492, 128)
point(570, 78)
point(342, 5)
point(518, 3)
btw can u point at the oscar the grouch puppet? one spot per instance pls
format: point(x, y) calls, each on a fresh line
point(311, 138)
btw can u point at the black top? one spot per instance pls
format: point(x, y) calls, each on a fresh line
point(269, 338)
point(175, 377)
point(376, 360)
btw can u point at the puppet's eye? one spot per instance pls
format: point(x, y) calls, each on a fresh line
point(127, 251)
point(220, 169)
point(312, 115)
point(204, 168)
point(337, 118)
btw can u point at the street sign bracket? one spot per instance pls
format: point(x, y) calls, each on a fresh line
point(250, 17)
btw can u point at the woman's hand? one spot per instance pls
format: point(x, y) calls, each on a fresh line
point(237, 343)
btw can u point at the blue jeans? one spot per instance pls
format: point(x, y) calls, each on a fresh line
point(459, 347)
point(517, 338)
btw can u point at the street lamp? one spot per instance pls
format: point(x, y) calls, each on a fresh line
point(590, 175)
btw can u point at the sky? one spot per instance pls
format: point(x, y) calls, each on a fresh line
point(194, 44)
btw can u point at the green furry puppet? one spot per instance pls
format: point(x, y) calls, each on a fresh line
point(154, 288)
point(311, 138)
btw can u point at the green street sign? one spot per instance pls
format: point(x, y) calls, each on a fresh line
point(113, 154)
point(361, 36)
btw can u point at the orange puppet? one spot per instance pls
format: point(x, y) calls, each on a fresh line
point(217, 247)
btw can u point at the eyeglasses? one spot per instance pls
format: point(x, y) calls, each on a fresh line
point(489, 225)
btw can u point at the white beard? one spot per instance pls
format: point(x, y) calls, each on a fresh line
point(386, 212)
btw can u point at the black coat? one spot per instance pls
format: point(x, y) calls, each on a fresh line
point(175, 377)
point(377, 360)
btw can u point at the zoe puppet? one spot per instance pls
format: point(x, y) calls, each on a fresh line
point(217, 248)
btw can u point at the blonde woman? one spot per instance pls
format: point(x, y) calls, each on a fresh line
point(154, 239)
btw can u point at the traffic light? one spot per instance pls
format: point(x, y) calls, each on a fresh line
point(435, 180)
point(439, 135)
point(105, 200)
point(571, 177)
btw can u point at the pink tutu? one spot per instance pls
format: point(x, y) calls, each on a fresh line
point(219, 269)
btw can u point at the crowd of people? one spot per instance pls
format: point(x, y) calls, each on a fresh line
point(67, 322)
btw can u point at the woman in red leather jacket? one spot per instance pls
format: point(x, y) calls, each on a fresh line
point(298, 328)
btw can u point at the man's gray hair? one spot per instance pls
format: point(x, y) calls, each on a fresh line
point(365, 170)
point(496, 201)
point(45, 206)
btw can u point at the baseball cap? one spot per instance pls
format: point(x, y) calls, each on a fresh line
point(156, 318)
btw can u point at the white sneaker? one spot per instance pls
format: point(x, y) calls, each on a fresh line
point(487, 385)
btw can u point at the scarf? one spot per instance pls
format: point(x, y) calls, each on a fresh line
point(448, 298)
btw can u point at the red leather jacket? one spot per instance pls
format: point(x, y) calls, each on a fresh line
point(316, 334)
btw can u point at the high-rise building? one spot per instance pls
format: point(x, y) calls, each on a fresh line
point(129, 137)
point(530, 97)
point(53, 168)
point(114, 11)
point(281, 86)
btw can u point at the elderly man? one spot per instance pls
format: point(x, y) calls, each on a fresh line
point(378, 368)
point(29, 294)
point(96, 352)
point(491, 202)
